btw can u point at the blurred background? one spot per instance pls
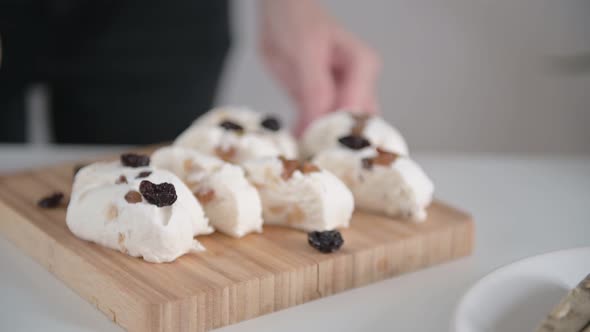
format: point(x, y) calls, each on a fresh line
point(459, 75)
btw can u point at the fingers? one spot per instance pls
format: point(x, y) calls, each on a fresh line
point(315, 90)
point(358, 69)
point(307, 78)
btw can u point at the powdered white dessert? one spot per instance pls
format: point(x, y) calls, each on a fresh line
point(380, 181)
point(325, 132)
point(300, 195)
point(231, 203)
point(156, 219)
point(237, 134)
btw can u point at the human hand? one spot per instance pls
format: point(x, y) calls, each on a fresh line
point(322, 67)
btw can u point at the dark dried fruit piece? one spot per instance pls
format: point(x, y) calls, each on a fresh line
point(121, 179)
point(133, 197)
point(230, 125)
point(271, 123)
point(289, 167)
point(308, 167)
point(226, 154)
point(163, 194)
point(143, 174)
point(51, 201)
point(326, 242)
point(354, 142)
point(205, 195)
point(135, 160)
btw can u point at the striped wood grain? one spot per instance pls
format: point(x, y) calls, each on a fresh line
point(235, 279)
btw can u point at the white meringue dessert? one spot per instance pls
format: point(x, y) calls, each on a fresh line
point(381, 181)
point(231, 203)
point(325, 132)
point(108, 208)
point(237, 134)
point(300, 195)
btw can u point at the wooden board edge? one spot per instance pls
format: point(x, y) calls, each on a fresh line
point(203, 312)
point(43, 249)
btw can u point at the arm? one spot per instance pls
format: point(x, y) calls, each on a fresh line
point(321, 66)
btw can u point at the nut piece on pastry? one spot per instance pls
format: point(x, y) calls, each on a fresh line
point(332, 129)
point(381, 181)
point(300, 195)
point(231, 203)
point(140, 211)
point(237, 134)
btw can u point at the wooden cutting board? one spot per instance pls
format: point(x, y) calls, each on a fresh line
point(235, 279)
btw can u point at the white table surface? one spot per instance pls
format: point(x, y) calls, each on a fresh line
point(522, 206)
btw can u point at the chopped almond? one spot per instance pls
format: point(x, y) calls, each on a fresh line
point(133, 197)
point(112, 212)
point(277, 209)
point(121, 179)
point(360, 122)
point(308, 167)
point(226, 154)
point(205, 195)
point(384, 158)
point(122, 243)
point(289, 167)
point(187, 165)
point(367, 163)
point(295, 215)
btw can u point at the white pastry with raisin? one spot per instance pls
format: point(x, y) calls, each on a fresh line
point(237, 134)
point(380, 181)
point(231, 203)
point(300, 195)
point(140, 211)
point(327, 132)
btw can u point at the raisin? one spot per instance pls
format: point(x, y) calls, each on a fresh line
point(163, 194)
point(354, 142)
point(133, 197)
point(51, 201)
point(143, 174)
point(326, 242)
point(230, 125)
point(135, 160)
point(205, 195)
point(271, 123)
point(121, 179)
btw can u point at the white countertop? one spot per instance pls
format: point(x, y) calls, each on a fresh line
point(522, 206)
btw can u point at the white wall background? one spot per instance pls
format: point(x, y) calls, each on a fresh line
point(459, 75)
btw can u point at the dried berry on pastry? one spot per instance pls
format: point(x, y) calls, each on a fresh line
point(237, 134)
point(300, 195)
point(351, 130)
point(231, 203)
point(153, 216)
point(380, 180)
